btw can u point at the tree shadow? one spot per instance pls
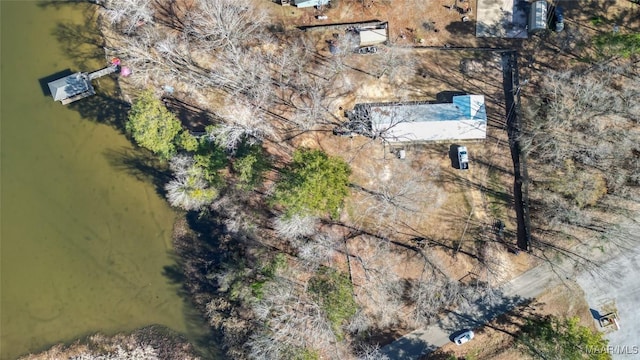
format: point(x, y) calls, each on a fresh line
point(59, 4)
point(82, 43)
point(481, 311)
point(142, 165)
point(406, 347)
point(462, 29)
point(202, 250)
point(104, 109)
point(201, 335)
point(192, 117)
point(169, 11)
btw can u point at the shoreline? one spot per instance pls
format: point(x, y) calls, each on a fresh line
point(152, 342)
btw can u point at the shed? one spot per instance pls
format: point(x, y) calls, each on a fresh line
point(71, 88)
point(310, 3)
point(370, 37)
point(538, 16)
point(465, 118)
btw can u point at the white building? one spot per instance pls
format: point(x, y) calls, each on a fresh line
point(373, 36)
point(310, 3)
point(465, 118)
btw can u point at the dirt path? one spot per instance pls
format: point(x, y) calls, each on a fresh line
point(479, 208)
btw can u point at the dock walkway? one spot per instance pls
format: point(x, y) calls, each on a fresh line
point(102, 72)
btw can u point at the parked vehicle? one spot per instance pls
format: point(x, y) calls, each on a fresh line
point(463, 158)
point(341, 131)
point(463, 338)
point(559, 14)
point(367, 50)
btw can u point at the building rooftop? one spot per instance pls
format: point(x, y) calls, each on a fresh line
point(69, 86)
point(373, 36)
point(462, 119)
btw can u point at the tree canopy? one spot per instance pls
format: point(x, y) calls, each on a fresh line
point(313, 184)
point(190, 189)
point(250, 164)
point(153, 126)
point(334, 291)
point(563, 339)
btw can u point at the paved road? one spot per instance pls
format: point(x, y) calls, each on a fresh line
point(529, 285)
point(620, 284)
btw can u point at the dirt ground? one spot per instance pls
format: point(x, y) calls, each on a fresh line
point(466, 204)
point(412, 22)
point(461, 206)
point(458, 208)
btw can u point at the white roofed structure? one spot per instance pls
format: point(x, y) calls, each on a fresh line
point(71, 88)
point(310, 3)
point(465, 118)
point(373, 36)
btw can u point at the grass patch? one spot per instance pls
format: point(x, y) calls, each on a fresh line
point(596, 20)
point(297, 353)
point(616, 44)
point(334, 291)
point(498, 199)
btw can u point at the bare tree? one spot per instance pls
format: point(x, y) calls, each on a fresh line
point(293, 321)
point(433, 293)
point(581, 136)
point(316, 250)
point(378, 287)
point(127, 15)
point(395, 192)
point(188, 190)
point(244, 121)
point(371, 352)
point(295, 226)
point(224, 24)
point(393, 61)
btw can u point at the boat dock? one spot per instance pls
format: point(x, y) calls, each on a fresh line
point(78, 86)
point(102, 72)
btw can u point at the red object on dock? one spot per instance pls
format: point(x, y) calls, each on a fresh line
point(115, 61)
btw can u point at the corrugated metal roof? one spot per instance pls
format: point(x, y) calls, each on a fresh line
point(538, 16)
point(68, 86)
point(310, 3)
point(463, 119)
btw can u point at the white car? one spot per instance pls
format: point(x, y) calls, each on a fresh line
point(463, 338)
point(463, 158)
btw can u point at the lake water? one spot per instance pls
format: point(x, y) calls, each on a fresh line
point(84, 243)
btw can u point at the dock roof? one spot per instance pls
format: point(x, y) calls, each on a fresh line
point(69, 86)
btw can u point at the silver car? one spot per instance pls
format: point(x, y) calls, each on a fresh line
point(463, 338)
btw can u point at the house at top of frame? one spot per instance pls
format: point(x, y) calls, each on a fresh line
point(464, 118)
point(305, 3)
